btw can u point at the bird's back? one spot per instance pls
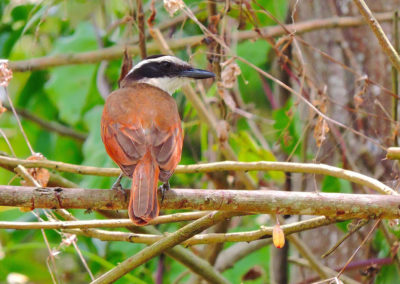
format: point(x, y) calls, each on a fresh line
point(138, 119)
point(147, 102)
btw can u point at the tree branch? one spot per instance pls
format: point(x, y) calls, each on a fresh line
point(114, 223)
point(196, 264)
point(212, 167)
point(165, 243)
point(379, 33)
point(52, 125)
point(115, 52)
point(393, 153)
point(337, 205)
point(211, 238)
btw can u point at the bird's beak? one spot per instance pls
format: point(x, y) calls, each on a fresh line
point(197, 73)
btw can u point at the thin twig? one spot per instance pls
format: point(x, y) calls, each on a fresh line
point(187, 258)
point(208, 238)
point(218, 166)
point(52, 125)
point(140, 21)
point(21, 171)
point(384, 42)
point(115, 52)
point(162, 245)
point(19, 122)
point(354, 229)
point(359, 247)
point(7, 142)
point(114, 223)
point(323, 271)
point(395, 79)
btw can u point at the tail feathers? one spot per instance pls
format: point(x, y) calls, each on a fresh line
point(143, 204)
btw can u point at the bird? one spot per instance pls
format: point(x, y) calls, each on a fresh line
point(141, 128)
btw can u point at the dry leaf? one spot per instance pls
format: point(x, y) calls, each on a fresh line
point(173, 5)
point(41, 175)
point(320, 131)
point(229, 73)
point(222, 130)
point(2, 109)
point(227, 97)
point(5, 73)
point(278, 236)
point(253, 273)
point(68, 240)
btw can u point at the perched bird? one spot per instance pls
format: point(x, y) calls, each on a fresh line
point(141, 128)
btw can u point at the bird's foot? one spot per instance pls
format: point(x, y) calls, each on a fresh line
point(164, 187)
point(117, 184)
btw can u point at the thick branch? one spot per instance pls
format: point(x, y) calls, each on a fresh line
point(212, 167)
point(337, 205)
point(393, 153)
point(115, 52)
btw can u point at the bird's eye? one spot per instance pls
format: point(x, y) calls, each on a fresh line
point(166, 64)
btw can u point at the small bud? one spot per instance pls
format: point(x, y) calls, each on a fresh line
point(278, 236)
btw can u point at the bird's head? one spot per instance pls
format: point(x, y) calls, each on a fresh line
point(166, 72)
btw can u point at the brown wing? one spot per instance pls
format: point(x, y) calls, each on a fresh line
point(125, 145)
point(167, 149)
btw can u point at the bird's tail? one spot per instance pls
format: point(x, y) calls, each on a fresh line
point(143, 204)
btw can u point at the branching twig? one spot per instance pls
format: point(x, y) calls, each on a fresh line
point(115, 52)
point(196, 264)
point(163, 244)
point(114, 223)
point(379, 33)
point(217, 166)
point(210, 238)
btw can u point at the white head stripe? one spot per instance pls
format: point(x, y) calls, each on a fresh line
point(168, 58)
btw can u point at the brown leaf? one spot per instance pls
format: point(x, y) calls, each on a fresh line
point(229, 73)
point(173, 6)
point(223, 130)
point(2, 109)
point(253, 273)
point(41, 175)
point(320, 131)
point(5, 73)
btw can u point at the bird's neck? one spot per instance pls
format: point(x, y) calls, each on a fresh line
point(167, 84)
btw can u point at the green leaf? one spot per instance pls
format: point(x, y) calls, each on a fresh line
point(21, 12)
point(334, 184)
point(387, 274)
point(250, 151)
point(287, 122)
point(250, 82)
point(69, 86)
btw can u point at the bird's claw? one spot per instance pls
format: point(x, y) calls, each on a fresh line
point(117, 184)
point(164, 187)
